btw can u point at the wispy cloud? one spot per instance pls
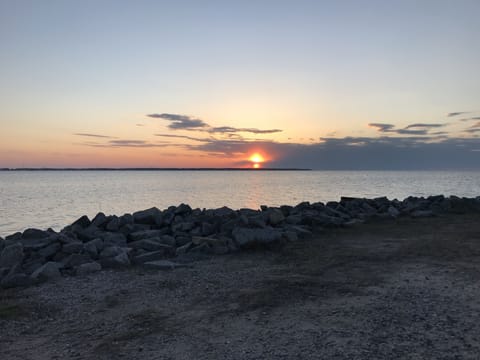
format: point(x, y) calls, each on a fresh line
point(422, 125)
point(94, 135)
point(229, 129)
point(183, 137)
point(185, 122)
point(382, 127)
point(178, 122)
point(457, 113)
point(125, 143)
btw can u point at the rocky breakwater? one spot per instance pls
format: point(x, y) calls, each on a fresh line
point(152, 237)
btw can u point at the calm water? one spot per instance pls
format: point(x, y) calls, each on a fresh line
point(56, 198)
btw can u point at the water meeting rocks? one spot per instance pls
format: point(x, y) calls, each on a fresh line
point(154, 237)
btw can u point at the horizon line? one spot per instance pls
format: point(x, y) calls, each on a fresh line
point(151, 169)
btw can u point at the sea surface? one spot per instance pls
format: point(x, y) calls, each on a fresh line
point(44, 199)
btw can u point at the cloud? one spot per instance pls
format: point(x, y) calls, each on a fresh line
point(184, 122)
point(183, 137)
point(407, 131)
point(229, 129)
point(457, 113)
point(382, 127)
point(180, 121)
point(94, 135)
point(421, 125)
point(476, 125)
point(125, 143)
point(472, 130)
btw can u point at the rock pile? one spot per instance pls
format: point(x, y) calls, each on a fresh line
point(152, 236)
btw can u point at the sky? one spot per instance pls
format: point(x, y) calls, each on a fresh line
point(201, 83)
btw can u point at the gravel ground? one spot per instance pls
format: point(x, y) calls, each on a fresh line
point(405, 289)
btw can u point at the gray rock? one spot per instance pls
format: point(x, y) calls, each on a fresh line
point(257, 221)
point(73, 247)
point(183, 249)
point(183, 226)
point(75, 260)
point(11, 255)
point(164, 265)
point(207, 229)
point(183, 209)
point(99, 220)
point(151, 216)
point(393, 211)
point(149, 244)
point(35, 244)
point(290, 236)
point(249, 237)
point(34, 234)
point(182, 240)
point(15, 280)
point(294, 219)
point(48, 271)
point(421, 213)
point(49, 250)
point(120, 261)
point(275, 216)
point(91, 247)
point(114, 239)
point(2, 244)
point(151, 256)
point(111, 251)
point(147, 234)
point(83, 222)
point(13, 238)
point(88, 268)
point(113, 224)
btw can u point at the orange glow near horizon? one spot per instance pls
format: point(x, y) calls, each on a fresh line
point(256, 160)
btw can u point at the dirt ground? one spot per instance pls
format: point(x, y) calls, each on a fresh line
point(404, 289)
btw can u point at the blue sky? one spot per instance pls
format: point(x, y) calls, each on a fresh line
point(316, 70)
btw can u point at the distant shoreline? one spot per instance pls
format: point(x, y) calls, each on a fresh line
point(153, 169)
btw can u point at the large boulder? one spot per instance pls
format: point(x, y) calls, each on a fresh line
point(147, 234)
point(35, 234)
point(114, 239)
point(11, 255)
point(153, 244)
point(47, 271)
point(82, 222)
point(152, 256)
point(151, 216)
point(275, 216)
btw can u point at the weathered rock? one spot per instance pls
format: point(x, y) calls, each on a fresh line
point(83, 222)
point(183, 209)
point(290, 236)
point(294, 219)
point(11, 255)
point(393, 211)
point(113, 224)
point(73, 247)
point(99, 220)
point(249, 237)
point(15, 280)
point(275, 216)
point(50, 250)
point(13, 238)
point(183, 249)
point(207, 229)
point(88, 268)
point(151, 216)
point(421, 213)
point(114, 239)
point(120, 261)
point(48, 271)
point(2, 244)
point(153, 244)
point(34, 244)
point(111, 251)
point(35, 234)
point(75, 260)
point(94, 246)
point(152, 256)
point(147, 234)
point(257, 221)
point(183, 226)
point(164, 265)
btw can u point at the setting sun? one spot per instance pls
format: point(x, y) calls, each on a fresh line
point(256, 159)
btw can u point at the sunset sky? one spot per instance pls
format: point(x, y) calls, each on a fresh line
point(316, 84)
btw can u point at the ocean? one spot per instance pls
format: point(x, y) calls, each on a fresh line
point(44, 199)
